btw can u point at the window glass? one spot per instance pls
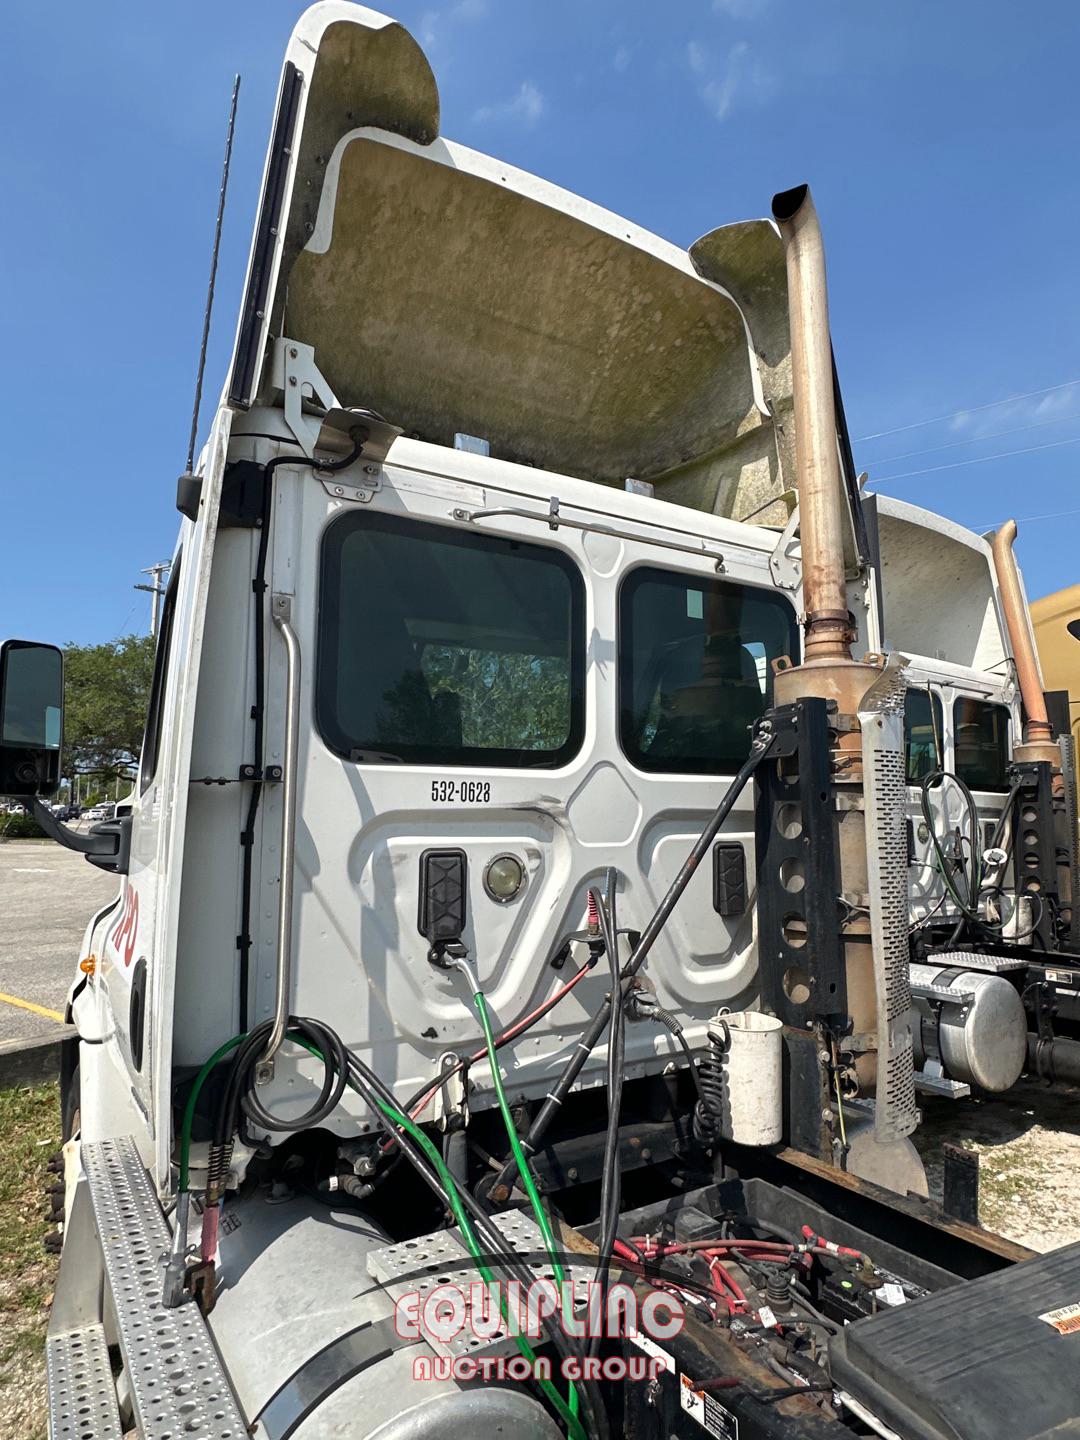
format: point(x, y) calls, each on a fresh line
point(148, 760)
point(695, 660)
point(442, 647)
point(923, 730)
point(981, 743)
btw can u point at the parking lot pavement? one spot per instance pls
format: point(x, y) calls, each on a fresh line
point(47, 895)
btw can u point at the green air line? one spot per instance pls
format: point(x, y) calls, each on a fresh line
point(515, 1143)
point(192, 1100)
point(569, 1413)
point(523, 1166)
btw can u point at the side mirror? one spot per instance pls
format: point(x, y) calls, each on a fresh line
point(31, 717)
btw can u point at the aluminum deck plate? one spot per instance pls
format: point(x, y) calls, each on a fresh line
point(82, 1395)
point(418, 1266)
point(968, 960)
point(939, 1085)
point(178, 1384)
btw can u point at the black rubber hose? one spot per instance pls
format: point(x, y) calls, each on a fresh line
point(497, 1245)
point(762, 742)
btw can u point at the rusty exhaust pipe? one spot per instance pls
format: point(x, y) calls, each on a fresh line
point(828, 670)
point(1038, 732)
point(828, 628)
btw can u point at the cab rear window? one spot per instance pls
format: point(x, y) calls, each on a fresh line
point(440, 647)
point(695, 658)
point(923, 730)
point(981, 744)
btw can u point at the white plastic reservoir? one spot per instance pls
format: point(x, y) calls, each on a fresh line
point(748, 1045)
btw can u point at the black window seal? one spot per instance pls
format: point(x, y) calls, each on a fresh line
point(937, 712)
point(473, 758)
point(151, 746)
point(629, 577)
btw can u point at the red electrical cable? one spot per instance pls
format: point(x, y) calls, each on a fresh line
point(507, 1035)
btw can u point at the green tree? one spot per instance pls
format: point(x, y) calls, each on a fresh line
point(106, 692)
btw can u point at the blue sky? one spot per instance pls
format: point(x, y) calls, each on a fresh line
point(939, 138)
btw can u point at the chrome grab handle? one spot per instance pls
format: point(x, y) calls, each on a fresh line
point(281, 612)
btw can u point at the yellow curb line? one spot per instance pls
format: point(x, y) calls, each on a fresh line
point(35, 1009)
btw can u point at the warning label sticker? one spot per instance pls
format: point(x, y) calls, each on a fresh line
point(707, 1411)
point(1066, 1320)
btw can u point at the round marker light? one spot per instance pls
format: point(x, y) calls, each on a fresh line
point(504, 878)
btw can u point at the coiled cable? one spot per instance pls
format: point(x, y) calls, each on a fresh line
point(712, 1083)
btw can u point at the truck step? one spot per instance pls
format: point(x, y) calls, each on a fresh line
point(178, 1384)
point(82, 1396)
point(414, 1267)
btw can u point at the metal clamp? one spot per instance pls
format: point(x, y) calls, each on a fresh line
point(281, 613)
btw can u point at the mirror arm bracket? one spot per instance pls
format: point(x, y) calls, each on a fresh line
point(107, 845)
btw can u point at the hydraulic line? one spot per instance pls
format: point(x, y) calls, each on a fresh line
point(761, 744)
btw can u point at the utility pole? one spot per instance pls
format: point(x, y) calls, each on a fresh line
point(157, 590)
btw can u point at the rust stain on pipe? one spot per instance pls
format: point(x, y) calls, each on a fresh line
point(828, 628)
point(1037, 729)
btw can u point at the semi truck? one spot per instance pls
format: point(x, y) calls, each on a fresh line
point(578, 826)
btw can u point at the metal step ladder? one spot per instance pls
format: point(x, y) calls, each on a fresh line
point(178, 1385)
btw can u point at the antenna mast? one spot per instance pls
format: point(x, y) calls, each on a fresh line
point(213, 278)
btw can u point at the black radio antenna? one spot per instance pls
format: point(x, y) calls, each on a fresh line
point(213, 278)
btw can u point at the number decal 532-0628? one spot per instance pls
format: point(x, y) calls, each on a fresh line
point(462, 792)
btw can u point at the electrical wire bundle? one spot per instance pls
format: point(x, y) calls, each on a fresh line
point(725, 1297)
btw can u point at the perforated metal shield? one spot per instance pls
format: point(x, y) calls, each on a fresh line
point(881, 716)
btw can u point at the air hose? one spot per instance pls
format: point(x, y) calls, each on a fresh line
point(519, 1155)
point(567, 1412)
point(395, 1121)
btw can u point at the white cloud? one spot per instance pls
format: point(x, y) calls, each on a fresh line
point(525, 107)
point(1030, 411)
point(738, 78)
point(621, 58)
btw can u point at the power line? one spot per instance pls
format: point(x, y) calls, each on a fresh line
point(967, 410)
point(979, 460)
point(1029, 519)
point(974, 439)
